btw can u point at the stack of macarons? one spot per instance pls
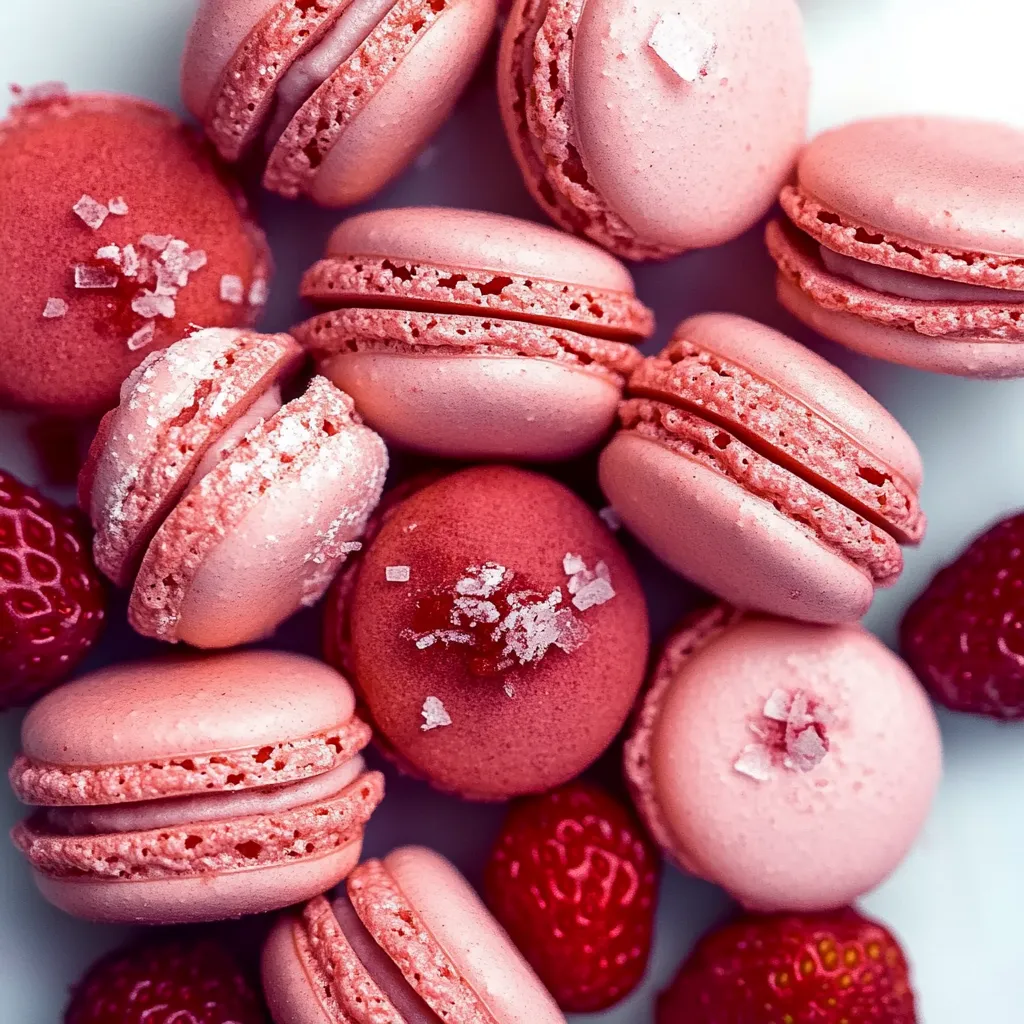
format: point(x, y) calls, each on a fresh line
point(482, 625)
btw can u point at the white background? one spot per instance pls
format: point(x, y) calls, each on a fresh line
point(958, 901)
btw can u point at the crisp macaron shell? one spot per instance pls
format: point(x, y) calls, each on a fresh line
point(175, 407)
point(740, 794)
point(474, 335)
point(79, 296)
point(346, 93)
point(530, 698)
point(889, 252)
point(410, 927)
point(263, 533)
point(723, 87)
point(757, 469)
point(194, 788)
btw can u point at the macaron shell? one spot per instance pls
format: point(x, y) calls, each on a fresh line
point(412, 101)
point(472, 939)
point(295, 992)
point(810, 840)
point(724, 538)
point(222, 570)
point(203, 897)
point(964, 357)
point(478, 406)
point(812, 380)
point(948, 182)
point(174, 407)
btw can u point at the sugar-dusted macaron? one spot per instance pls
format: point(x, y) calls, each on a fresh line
point(757, 469)
point(473, 335)
point(340, 95)
point(659, 128)
point(194, 788)
point(494, 630)
point(118, 232)
point(228, 509)
point(408, 943)
point(905, 241)
point(792, 764)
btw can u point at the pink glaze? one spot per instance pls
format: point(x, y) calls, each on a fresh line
point(726, 539)
point(175, 408)
point(810, 839)
point(286, 505)
point(461, 406)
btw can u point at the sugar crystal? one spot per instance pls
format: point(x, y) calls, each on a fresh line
point(396, 573)
point(55, 308)
point(435, 715)
point(231, 289)
point(142, 337)
point(117, 206)
point(94, 277)
point(610, 518)
point(92, 214)
point(755, 761)
point(149, 304)
point(686, 47)
point(259, 292)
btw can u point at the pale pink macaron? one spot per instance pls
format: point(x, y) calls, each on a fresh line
point(757, 469)
point(474, 335)
point(657, 128)
point(340, 94)
point(792, 764)
point(194, 789)
point(409, 943)
point(228, 509)
point(905, 241)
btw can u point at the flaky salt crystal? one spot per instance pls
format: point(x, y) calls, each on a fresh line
point(149, 305)
point(806, 751)
point(610, 518)
point(117, 206)
point(129, 261)
point(259, 292)
point(755, 761)
point(481, 580)
point(510, 690)
point(109, 252)
point(686, 47)
point(776, 707)
point(196, 260)
point(94, 277)
point(155, 243)
point(142, 337)
point(435, 715)
point(476, 609)
point(597, 591)
point(92, 214)
point(427, 640)
point(231, 289)
point(396, 573)
point(54, 309)
point(573, 564)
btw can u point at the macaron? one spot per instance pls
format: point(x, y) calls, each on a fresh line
point(194, 788)
point(757, 469)
point(118, 233)
point(228, 509)
point(494, 630)
point(473, 335)
point(654, 129)
point(792, 764)
point(408, 943)
point(905, 241)
point(339, 95)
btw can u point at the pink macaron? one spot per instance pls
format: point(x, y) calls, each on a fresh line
point(755, 468)
point(408, 943)
point(494, 630)
point(193, 789)
point(905, 241)
point(228, 509)
point(792, 764)
point(340, 94)
point(659, 128)
point(473, 335)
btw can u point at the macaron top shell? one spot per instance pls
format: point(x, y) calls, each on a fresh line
point(792, 764)
point(176, 709)
point(950, 183)
point(94, 151)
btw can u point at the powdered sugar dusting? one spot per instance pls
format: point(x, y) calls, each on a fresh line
point(397, 573)
point(90, 212)
point(55, 308)
point(686, 47)
point(791, 734)
point(232, 290)
point(435, 714)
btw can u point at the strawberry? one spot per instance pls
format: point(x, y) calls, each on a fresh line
point(166, 983)
point(52, 602)
point(964, 636)
point(573, 878)
point(832, 968)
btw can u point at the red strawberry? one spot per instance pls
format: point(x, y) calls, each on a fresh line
point(573, 878)
point(964, 636)
point(835, 968)
point(51, 599)
point(166, 983)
